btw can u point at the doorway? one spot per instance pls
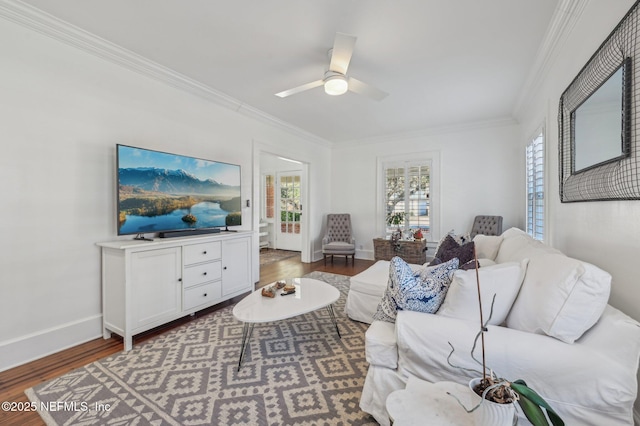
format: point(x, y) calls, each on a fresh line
point(281, 194)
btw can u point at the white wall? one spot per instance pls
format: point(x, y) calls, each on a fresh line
point(481, 172)
point(62, 111)
point(605, 233)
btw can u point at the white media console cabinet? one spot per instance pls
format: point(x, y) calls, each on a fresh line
point(149, 283)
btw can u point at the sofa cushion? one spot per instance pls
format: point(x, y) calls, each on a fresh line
point(338, 247)
point(406, 290)
point(518, 245)
point(485, 262)
point(487, 246)
point(372, 280)
point(502, 279)
point(380, 344)
point(560, 297)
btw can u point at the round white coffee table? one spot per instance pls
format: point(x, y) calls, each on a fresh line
point(424, 403)
point(309, 296)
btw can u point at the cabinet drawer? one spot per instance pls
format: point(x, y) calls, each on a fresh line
point(196, 253)
point(201, 295)
point(201, 273)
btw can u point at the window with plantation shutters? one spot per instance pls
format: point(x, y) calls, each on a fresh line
point(407, 196)
point(535, 187)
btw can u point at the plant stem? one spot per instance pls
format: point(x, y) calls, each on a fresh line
point(484, 365)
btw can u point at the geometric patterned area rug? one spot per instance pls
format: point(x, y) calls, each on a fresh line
point(295, 372)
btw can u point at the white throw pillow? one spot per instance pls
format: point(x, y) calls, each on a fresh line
point(560, 297)
point(502, 279)
point(517, 245)
point(487, 246)
point(486, 262)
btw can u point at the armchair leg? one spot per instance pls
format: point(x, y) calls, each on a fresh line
point(346, 259)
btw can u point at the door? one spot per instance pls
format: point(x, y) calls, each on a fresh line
point(236, 258)
point(155, 286)
point(289, 217)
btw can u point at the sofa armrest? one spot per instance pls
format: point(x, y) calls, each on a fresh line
point(596, 374)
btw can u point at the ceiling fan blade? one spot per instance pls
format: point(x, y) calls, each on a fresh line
point(342, 50)
point(361, 88)
point(299, 89)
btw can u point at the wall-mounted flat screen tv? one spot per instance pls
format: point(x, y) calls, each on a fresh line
point(163, 192)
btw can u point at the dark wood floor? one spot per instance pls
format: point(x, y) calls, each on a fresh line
point(13, 382)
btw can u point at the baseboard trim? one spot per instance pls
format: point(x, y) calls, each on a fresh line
point(364, 254)
point(37, 345)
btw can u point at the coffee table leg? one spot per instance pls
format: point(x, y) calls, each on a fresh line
point(333, 318)
point(247, 329)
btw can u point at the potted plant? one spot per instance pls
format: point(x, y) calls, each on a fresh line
point(396, 218)
point(492, 388)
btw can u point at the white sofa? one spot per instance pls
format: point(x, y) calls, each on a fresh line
point(559, 335)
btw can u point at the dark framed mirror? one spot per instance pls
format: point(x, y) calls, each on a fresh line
point(600, 125)
point(598, 155)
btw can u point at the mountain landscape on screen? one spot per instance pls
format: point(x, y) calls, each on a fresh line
point(152, 198)
point(173, 182)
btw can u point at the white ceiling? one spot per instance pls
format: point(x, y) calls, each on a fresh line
point(443, 62)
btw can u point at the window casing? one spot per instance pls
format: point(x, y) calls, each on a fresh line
point(535, 164)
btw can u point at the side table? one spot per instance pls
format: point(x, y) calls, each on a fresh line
point(424, 403)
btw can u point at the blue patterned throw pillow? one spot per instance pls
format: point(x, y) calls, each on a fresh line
point(407, 290)
point(427, 292)
point(399, 272)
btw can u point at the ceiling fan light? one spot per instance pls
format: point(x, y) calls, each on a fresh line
point(336, 85)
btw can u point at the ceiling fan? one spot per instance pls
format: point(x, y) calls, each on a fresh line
point(335, 79)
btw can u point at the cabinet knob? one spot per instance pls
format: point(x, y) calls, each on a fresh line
point(225, 268)
point(179, 280)
point(205, 295)
point(204, 252)
point(204, 273)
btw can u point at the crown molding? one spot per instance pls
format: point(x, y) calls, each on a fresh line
point(430, 131)
point(567, 13)
point(48, 25)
